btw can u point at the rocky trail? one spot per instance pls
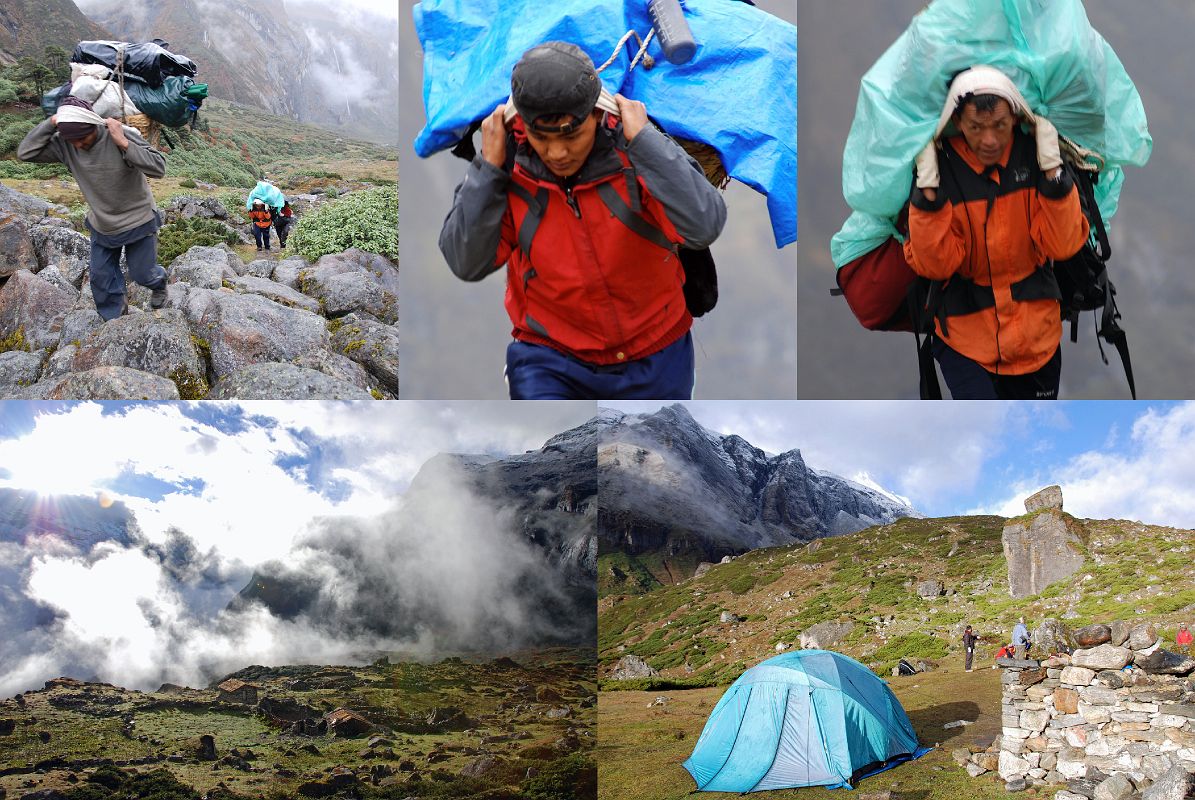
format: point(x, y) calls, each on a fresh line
point(276, 327)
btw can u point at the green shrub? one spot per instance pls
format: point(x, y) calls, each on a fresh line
point(187, 183)
point(366, 220)
point(181, 235)
point(25, 170)
point(573, 777)
point(912, 645)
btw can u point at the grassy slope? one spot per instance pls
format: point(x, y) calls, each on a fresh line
point(868, 578)
point(483, 691)
point(238, 142)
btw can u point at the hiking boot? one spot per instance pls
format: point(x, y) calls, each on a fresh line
point(157, 298)
point(282, 246)
point(259, 249)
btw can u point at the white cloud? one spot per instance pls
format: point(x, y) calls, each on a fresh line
point(251, 509)
point(1148, 478)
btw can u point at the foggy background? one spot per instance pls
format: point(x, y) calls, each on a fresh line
point(1151, 234)
point(322, 545)
point(455, 333)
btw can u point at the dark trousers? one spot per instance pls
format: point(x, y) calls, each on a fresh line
point(970, 656)
point(536, 372)
point(140, 247)
point(967, 380)
point(282, 228)
point(262, 235)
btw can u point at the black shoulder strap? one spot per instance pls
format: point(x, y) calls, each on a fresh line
point(536, 206)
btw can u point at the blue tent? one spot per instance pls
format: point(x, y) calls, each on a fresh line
point(805, 718)
point(738, 94)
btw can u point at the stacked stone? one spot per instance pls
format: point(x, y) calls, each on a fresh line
point(1083, 720)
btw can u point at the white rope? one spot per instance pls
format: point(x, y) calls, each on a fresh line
point(642, 49)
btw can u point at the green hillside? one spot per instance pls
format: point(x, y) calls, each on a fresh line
point(870, 579)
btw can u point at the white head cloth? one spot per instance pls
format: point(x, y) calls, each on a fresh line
point(982, 80)
point(78, 114)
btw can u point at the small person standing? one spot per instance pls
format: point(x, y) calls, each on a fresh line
point(262, 219)
point(969, 640)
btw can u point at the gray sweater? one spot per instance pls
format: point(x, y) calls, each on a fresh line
point(113, 182)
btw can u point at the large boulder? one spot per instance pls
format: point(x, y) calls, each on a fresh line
point(354, 281)
point(930, 589)
point(1105, 656)
point(17, 369)
point(1049, 497)
point(105, 383)
point(187, 207)
point(631, 667)
point(1117, 787)
point(33, 309)
point(1174, 784)
point(65, 247)
point(53, 276)
point(825, 635)
point(16, 245)
point(203, 267)
point(1142, 636)
point(244, 329)
point(270, 381)
point(334, 365)
point(1040, 551)
point(372, 345)
point(159, 343)
point(1052, 636)
point(1164, 662)
point(272, 290)
point(1092, 635)
point(14, 202)
point(287, 271)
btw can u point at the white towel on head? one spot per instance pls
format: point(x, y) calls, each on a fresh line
point(78, 114)
point(982, 80)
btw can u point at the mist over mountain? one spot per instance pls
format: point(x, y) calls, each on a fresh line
point(480, 555)
point(674, 494)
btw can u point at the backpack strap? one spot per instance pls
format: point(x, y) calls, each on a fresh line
point(536, 206)
point(627, 216)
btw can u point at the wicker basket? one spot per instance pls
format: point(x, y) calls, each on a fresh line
point(150, 129)
point(709, 160)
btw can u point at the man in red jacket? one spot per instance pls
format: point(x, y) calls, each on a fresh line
point(587, 210)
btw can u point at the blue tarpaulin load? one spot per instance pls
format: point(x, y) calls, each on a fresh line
point(1062, 66)
point(738, 94)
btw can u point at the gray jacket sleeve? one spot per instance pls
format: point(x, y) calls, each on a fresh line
point(141, 156)
point(674, 178)
point(472, 232)
point(40, 145)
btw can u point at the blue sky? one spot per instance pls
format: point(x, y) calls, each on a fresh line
point(1113, 459)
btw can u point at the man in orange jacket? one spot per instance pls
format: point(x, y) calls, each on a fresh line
point(990, 211)
point(586, 209)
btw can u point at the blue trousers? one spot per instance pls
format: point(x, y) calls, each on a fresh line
point(536, 372)
point(262, 235)
point(969, 381)
point(140, 247)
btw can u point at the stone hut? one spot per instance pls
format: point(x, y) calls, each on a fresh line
point(1114, 719)
point(343, 722)
point(237, 691)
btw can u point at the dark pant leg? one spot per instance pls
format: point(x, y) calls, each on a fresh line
point(262, 235)
point(537, 372)
point(965, 378)
point(1040, 385)
point(107, 281)
point(281, 226)
point(970, 656)
point(141, 257)
point(666, 375)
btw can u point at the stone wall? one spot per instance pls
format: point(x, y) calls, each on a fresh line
point(1106, 732)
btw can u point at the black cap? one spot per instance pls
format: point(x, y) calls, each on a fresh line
point(554, 78)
